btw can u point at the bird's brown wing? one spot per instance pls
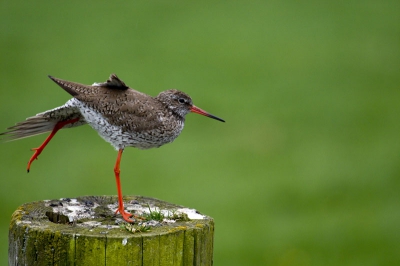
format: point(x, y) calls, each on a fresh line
point(122, 106)
point(113, 82)
point(133, 111)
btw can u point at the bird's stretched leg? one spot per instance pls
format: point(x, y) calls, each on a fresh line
point(39, 150)
point(121, 210)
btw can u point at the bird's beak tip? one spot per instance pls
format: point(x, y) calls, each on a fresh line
point(197, 110)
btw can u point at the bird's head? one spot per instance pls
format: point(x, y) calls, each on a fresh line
point(181, 104)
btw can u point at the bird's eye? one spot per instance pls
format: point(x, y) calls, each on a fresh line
point(181, 100)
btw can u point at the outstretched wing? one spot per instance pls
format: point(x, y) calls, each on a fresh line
point(120, 105)
point(75, 89)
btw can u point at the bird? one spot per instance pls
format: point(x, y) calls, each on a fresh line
point(122, 116)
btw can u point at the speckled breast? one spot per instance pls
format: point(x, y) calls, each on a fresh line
point(120, 138)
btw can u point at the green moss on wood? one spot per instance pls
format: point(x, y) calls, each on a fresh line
point(151, 248)
point(124, 251)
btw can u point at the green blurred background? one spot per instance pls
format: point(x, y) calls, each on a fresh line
point(306, 170)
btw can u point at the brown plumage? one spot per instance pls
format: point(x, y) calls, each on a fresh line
point(122, 116)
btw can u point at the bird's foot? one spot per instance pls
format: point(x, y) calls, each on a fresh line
point(125, 215)
point(39, 150)
point(35, 156)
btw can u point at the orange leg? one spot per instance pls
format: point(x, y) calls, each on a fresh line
point(39, 150)
point(125, 215)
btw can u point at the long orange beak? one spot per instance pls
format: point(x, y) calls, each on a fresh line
point(199, 111)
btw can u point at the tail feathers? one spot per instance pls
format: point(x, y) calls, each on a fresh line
point(45, 122)
point(32, 126)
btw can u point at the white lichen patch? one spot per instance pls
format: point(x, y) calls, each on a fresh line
point(168, 221)
point(191, 213)
point(73, 209)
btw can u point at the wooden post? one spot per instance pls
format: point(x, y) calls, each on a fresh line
point(85, 231)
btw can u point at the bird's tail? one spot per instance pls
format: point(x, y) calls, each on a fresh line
point(32, 126)
point(43, 122)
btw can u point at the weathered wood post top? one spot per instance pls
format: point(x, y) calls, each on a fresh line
point(85, 231)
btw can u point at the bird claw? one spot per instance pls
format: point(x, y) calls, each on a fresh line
point(34, 156)
point(125, 215)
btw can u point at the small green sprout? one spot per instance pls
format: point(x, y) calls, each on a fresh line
point(156, 215)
